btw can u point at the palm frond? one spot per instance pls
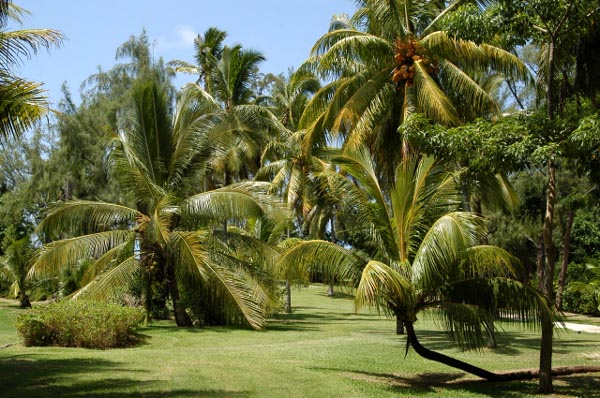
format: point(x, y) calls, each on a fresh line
point(431, 100)
point(383, 287)
point(86, 216)
point(443, 247)
point(333, 260)
point(54, 256)
point(111, 281)
point(234, 282)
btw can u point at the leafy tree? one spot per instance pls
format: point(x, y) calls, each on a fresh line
point(423, 254)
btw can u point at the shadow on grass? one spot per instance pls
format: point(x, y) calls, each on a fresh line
point(309, 319)
point(426, 384)
point(25, 376)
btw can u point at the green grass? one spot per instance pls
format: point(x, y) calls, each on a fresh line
point(322, 349)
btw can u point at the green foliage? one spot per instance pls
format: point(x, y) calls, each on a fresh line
point(582, 298)
point(85, 324)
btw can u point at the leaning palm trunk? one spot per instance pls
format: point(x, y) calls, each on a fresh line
point(446, 360)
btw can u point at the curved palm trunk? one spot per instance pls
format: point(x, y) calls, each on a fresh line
point(181, 317)
point(446, 360)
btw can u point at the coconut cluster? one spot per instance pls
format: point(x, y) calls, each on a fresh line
point(406, 56)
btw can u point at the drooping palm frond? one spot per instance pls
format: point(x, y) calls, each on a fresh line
point(85, 217)
point(383, 287)
point(22, 104)
point(212, 268)
point(114, 280)
point(296, 262)
point(52, 257)
point(221, 204)
point(443, 246)
point(431, 99)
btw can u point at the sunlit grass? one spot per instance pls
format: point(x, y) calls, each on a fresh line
point(322, 349)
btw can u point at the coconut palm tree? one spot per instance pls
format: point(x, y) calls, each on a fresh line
point(22, 102)
point(207, 47)
point(391, 60)
point(238, 124)
point(168, 228)
point(422, 253)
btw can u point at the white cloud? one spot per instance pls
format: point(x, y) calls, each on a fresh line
point(183, 38)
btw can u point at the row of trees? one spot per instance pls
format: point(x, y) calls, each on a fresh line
point(382, 178)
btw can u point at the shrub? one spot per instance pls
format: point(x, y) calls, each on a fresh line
point(582, 298)
point(86, 324)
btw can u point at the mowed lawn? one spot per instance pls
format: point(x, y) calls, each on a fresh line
point(323, 349)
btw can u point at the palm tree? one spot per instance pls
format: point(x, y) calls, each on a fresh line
point(15, 265)
point(207, 47)
point(421, 254)
point(238, 125)
point(391, 60)
point(22, 102)
point(168, 228)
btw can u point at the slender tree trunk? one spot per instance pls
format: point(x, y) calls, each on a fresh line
point(330, 290)
point(546, 282)
point(288, 297)
point(147, 294)
point(181, 317)
point(562, 277)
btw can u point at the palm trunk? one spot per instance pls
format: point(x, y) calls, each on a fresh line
point(330, 291)
point(399, 325)
point(546, 280)
point(147, 295)
point(181, 317)
point(288, 297)
point(446, 360)
point(562, 277)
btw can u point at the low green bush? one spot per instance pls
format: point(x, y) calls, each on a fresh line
point(87, 324)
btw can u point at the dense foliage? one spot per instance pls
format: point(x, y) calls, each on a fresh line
point(85, 324)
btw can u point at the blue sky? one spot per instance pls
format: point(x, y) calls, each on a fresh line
point(283, 30)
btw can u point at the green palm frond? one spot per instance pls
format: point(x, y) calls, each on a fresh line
point(383, 287)
point(22, 104)
point(86, 216)
point(489, 261)
point(52, 257)
point(234, 283)
point(431, 100)
point(111, 281)
point(221, 204)
point(361, 99)
point(460, 82)
point(133, 175)
point(112, 256)
point(19, 44)
point(443, 247)
point(468, 325)
point(333, 260)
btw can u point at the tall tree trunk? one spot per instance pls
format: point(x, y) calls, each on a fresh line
point(446, 360)
point(181, 317)
point(546, 274)
point(562, 277)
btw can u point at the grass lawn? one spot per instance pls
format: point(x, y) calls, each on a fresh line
point(323, 349)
